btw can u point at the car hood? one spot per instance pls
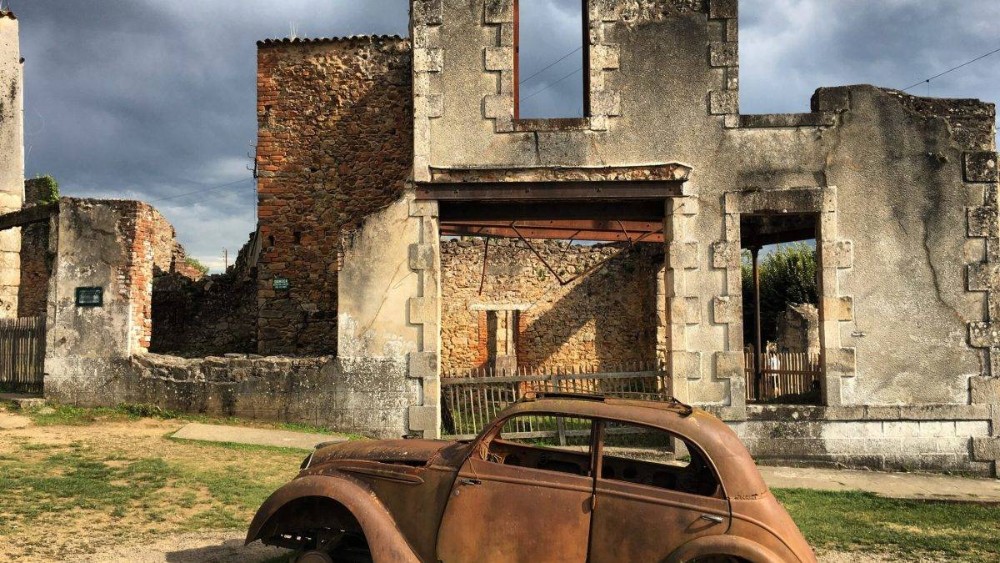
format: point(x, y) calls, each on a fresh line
point(407, 452)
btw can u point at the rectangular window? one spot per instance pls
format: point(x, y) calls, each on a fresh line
point(651, 457)
point(551, 61)
point(550, 443)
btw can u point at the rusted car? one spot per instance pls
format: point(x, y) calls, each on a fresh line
point(553, 478)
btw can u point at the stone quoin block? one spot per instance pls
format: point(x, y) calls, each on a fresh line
point(724, 102)
point(724, 54)
point(983, 222)
point(723, 9)
point(981, 167)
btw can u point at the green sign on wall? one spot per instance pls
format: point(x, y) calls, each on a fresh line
point(281, 283)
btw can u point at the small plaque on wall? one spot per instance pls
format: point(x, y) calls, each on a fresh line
point(89, 296)
point(281, 284)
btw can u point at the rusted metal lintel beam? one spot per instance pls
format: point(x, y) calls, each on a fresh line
point(549, 191)
point(607, 211)
point(550, 233)
point(28, 215)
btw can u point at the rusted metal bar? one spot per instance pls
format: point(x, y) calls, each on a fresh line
point(486, 257)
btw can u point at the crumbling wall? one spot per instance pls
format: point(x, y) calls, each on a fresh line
point(11, 159)
point(36, 255)
point(210, 316)
point(335, 145)
point(111, 245)
point(602, 318)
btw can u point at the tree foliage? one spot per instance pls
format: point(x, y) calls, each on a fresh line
point(788, 276)
point(196, 264)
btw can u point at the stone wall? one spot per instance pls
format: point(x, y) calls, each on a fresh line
point(900, 438)
point(36, 255)
point(335, 145)
point(603, 318)
point(214, 315)
point(367, 397)
point(11, 158)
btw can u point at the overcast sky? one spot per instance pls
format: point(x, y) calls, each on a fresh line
point(155, 99)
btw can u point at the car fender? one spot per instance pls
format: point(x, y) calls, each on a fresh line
point(723, 545)
point(384, 538)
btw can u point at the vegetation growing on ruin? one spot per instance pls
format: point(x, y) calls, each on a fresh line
point(47, 189)
point(196, 264)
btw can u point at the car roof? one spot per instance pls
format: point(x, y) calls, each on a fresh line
point(723, 447)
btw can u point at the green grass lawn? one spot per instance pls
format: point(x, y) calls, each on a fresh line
point(92, 475)
point(911, 529)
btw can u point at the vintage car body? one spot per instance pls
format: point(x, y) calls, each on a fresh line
point(422, 500)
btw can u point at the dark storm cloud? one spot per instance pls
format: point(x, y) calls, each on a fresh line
point(150, 99)
point(156, 98)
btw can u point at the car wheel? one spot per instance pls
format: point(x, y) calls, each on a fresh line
point(314, 557)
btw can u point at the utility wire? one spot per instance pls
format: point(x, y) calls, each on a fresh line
point(951, 70)
point(201, 191)
point(537, 92)
point(561, 59)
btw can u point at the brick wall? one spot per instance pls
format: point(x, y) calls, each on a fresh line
point(335, 145)
point(603, 319)
point(36, 258)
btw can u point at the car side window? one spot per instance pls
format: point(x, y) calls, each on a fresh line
point(652, 457)
point(545, 442)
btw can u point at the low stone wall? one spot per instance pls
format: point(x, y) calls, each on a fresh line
point(365, 396)
point(906, 438)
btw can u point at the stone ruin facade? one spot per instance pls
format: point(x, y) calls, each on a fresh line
point(374, 151)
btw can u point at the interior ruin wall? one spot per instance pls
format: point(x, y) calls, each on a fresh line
point(335, 145)
point(600, 319)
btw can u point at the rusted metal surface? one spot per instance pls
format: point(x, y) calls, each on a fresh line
point(492, 499)
point(608, 231)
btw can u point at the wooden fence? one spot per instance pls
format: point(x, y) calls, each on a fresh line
point(22, 354)
point(470, 403)
point(791, 377)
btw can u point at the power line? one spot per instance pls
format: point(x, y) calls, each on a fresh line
point(201, 191)
point(951, 70)
point(533, 94)
point(561, 59)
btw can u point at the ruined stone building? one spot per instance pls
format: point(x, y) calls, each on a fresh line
point(413, 226)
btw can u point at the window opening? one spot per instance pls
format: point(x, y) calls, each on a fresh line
point(551, 68)
point(651, 457)
point(546, 442)
point(781, 316)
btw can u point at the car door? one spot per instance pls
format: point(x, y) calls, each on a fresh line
point(524, 494)
point(654, 493)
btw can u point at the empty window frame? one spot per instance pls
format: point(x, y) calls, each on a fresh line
point(654, 458)
point(551, 61)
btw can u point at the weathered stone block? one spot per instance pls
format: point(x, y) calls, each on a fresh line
point(724, 54)
point(729, 365)
point(984, 335)
point(722, 9)
point(986, 449)
point(605, 57)
point(983, 221)
point(422, 365)
point(426, 419)
point(422, 256)
point(726, 311)
point(839, 255)
point(499, 11)
point(842, 361)
point(499, 58)
point(985, 390)
point(981, 167)
point(831, 99)
point(725, 255)
point(428, 60)
point(724, 102)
